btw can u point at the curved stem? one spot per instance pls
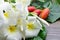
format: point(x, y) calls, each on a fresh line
point(45, 22)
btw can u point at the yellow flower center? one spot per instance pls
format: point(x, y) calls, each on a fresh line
point(12, 28)
point(30, 26)
point(6, 14)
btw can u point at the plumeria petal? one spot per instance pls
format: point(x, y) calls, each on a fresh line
point(2, 18)
point(1, 1)
point(23, 10)
point(22, 6)
point(5, 6)
point(24, 2)
point(16, 36)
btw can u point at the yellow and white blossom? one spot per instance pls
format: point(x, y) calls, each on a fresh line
point(33, 27)
point(12, 32)
point(9, 28)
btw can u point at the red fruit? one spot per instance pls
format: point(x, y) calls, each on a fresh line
point(31, 8)
point(44, 13)
point(38, 11)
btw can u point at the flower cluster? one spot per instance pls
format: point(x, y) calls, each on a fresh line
point(15, 23)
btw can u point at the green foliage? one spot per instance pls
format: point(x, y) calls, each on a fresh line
point(54, 13)
point(38, 4)
point(52, 5)
point(37, 38)
point(43, 33)
point(58, 1)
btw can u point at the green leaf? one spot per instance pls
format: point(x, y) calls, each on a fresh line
point(43, 33)
point(30, 14)
point(37, 38)
point(54, 13)
point(58, 1)
point(38, 4)
point(47, 4)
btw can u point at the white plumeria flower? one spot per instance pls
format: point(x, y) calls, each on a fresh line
point(5, 8)
point(9, 13)
point(33, 27)
point(11, 31)
point(22, 5)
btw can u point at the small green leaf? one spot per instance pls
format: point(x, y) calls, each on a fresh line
point(37, 38)
point(30, 14)
point(43, 33)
